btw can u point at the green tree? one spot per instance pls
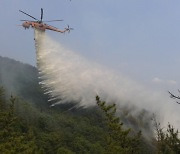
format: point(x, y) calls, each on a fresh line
point(12, 139)
point(167, 142)
point(118, 139)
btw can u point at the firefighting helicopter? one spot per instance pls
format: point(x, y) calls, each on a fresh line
point(40, 25)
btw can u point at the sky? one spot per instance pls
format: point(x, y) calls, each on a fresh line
point(137, 37)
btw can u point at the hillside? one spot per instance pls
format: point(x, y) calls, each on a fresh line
point(21, 80)
point(38, 128)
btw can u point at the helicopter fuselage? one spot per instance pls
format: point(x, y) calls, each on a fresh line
point(41, 26)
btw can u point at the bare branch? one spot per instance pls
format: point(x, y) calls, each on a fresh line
point(174, 96)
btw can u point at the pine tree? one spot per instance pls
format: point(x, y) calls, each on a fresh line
point(12, 139)
point(118, 139)
point(167, 142)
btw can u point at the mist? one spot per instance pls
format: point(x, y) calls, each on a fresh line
point(69, 77)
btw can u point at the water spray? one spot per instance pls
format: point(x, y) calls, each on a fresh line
point(68, 77)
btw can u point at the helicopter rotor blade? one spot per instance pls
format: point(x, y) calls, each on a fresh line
point(41, 14)
point(52, 20)
point(25, 20)
point(28, 15)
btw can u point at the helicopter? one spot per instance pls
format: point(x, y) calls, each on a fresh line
point(41, 25)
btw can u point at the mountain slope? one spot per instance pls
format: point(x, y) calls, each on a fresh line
point(21, 80)
point(88, 124)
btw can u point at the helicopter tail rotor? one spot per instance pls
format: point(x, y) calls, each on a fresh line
point(68, 29)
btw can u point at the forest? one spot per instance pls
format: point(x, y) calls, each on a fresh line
point(28, 124)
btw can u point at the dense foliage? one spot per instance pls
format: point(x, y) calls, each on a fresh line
point(24, 129)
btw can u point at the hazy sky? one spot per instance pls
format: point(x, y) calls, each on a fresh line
point(138, 37)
